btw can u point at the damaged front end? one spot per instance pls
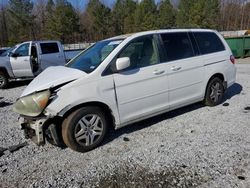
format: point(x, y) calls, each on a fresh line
point(42, 129)
point(30, 108)
point(33, 129)
point(35, 124)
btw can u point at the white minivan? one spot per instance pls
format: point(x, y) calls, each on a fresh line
point(122, 80)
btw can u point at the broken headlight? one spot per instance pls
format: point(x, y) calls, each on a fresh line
point(32, 105)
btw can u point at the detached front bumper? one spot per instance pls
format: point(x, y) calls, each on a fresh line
point(33, 129)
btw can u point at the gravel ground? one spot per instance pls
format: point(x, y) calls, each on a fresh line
point(195, 146)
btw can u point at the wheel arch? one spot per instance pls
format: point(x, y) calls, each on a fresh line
point(215, 75)
point(106, 109)
point(218, 75)
point(4, 70)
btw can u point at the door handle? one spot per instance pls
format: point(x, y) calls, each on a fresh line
point(158, 72)
point(176, 68)
point(25, 60)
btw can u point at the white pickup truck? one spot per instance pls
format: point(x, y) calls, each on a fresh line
point(26, 60)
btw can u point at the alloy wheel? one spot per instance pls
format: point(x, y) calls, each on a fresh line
point(88, 130)
point(216, 92)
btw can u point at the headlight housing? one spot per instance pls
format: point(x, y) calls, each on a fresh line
point(32, 105)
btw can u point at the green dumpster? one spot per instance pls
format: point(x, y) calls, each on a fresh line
point(240, 46)
point(247, 47)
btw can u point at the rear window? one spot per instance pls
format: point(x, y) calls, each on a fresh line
point(208, 42)
point(49, 48)
point(177, 46)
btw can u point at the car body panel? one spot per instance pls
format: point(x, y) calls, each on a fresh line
point(5, 65)
point(141, 91)
point(71, 95)
point(186, 77)
point(21, 65)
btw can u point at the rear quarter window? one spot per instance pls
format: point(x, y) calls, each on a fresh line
point(208, 42)
point(49, 48)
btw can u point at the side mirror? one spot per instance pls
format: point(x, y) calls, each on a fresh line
point(11, 54)
point(122, 63)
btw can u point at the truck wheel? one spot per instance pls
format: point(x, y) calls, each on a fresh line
point(214, 92)
point(84, 129)
point(3, 80)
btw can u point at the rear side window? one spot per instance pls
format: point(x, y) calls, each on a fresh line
point(49, 48)
point(177, 46)
point(208, 42)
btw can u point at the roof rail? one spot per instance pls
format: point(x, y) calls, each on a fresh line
point(187, 27)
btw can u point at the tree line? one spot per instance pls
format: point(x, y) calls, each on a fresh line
point(22, 20)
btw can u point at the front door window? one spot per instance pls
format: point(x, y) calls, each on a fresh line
point(23, 50)
point(142, 52)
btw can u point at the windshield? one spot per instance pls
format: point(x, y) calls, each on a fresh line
point(91, 58)
point(7, 51)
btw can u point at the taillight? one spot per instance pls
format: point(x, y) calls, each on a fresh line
point(232, 59)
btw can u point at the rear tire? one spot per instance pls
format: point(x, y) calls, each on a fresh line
point(84, 129)
point(214, 92)
point(3, 80)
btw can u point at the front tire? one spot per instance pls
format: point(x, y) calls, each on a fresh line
point(3, 80)
point(215, 92)
point(84, 129)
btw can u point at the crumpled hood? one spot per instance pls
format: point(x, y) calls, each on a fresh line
point(51, 77)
